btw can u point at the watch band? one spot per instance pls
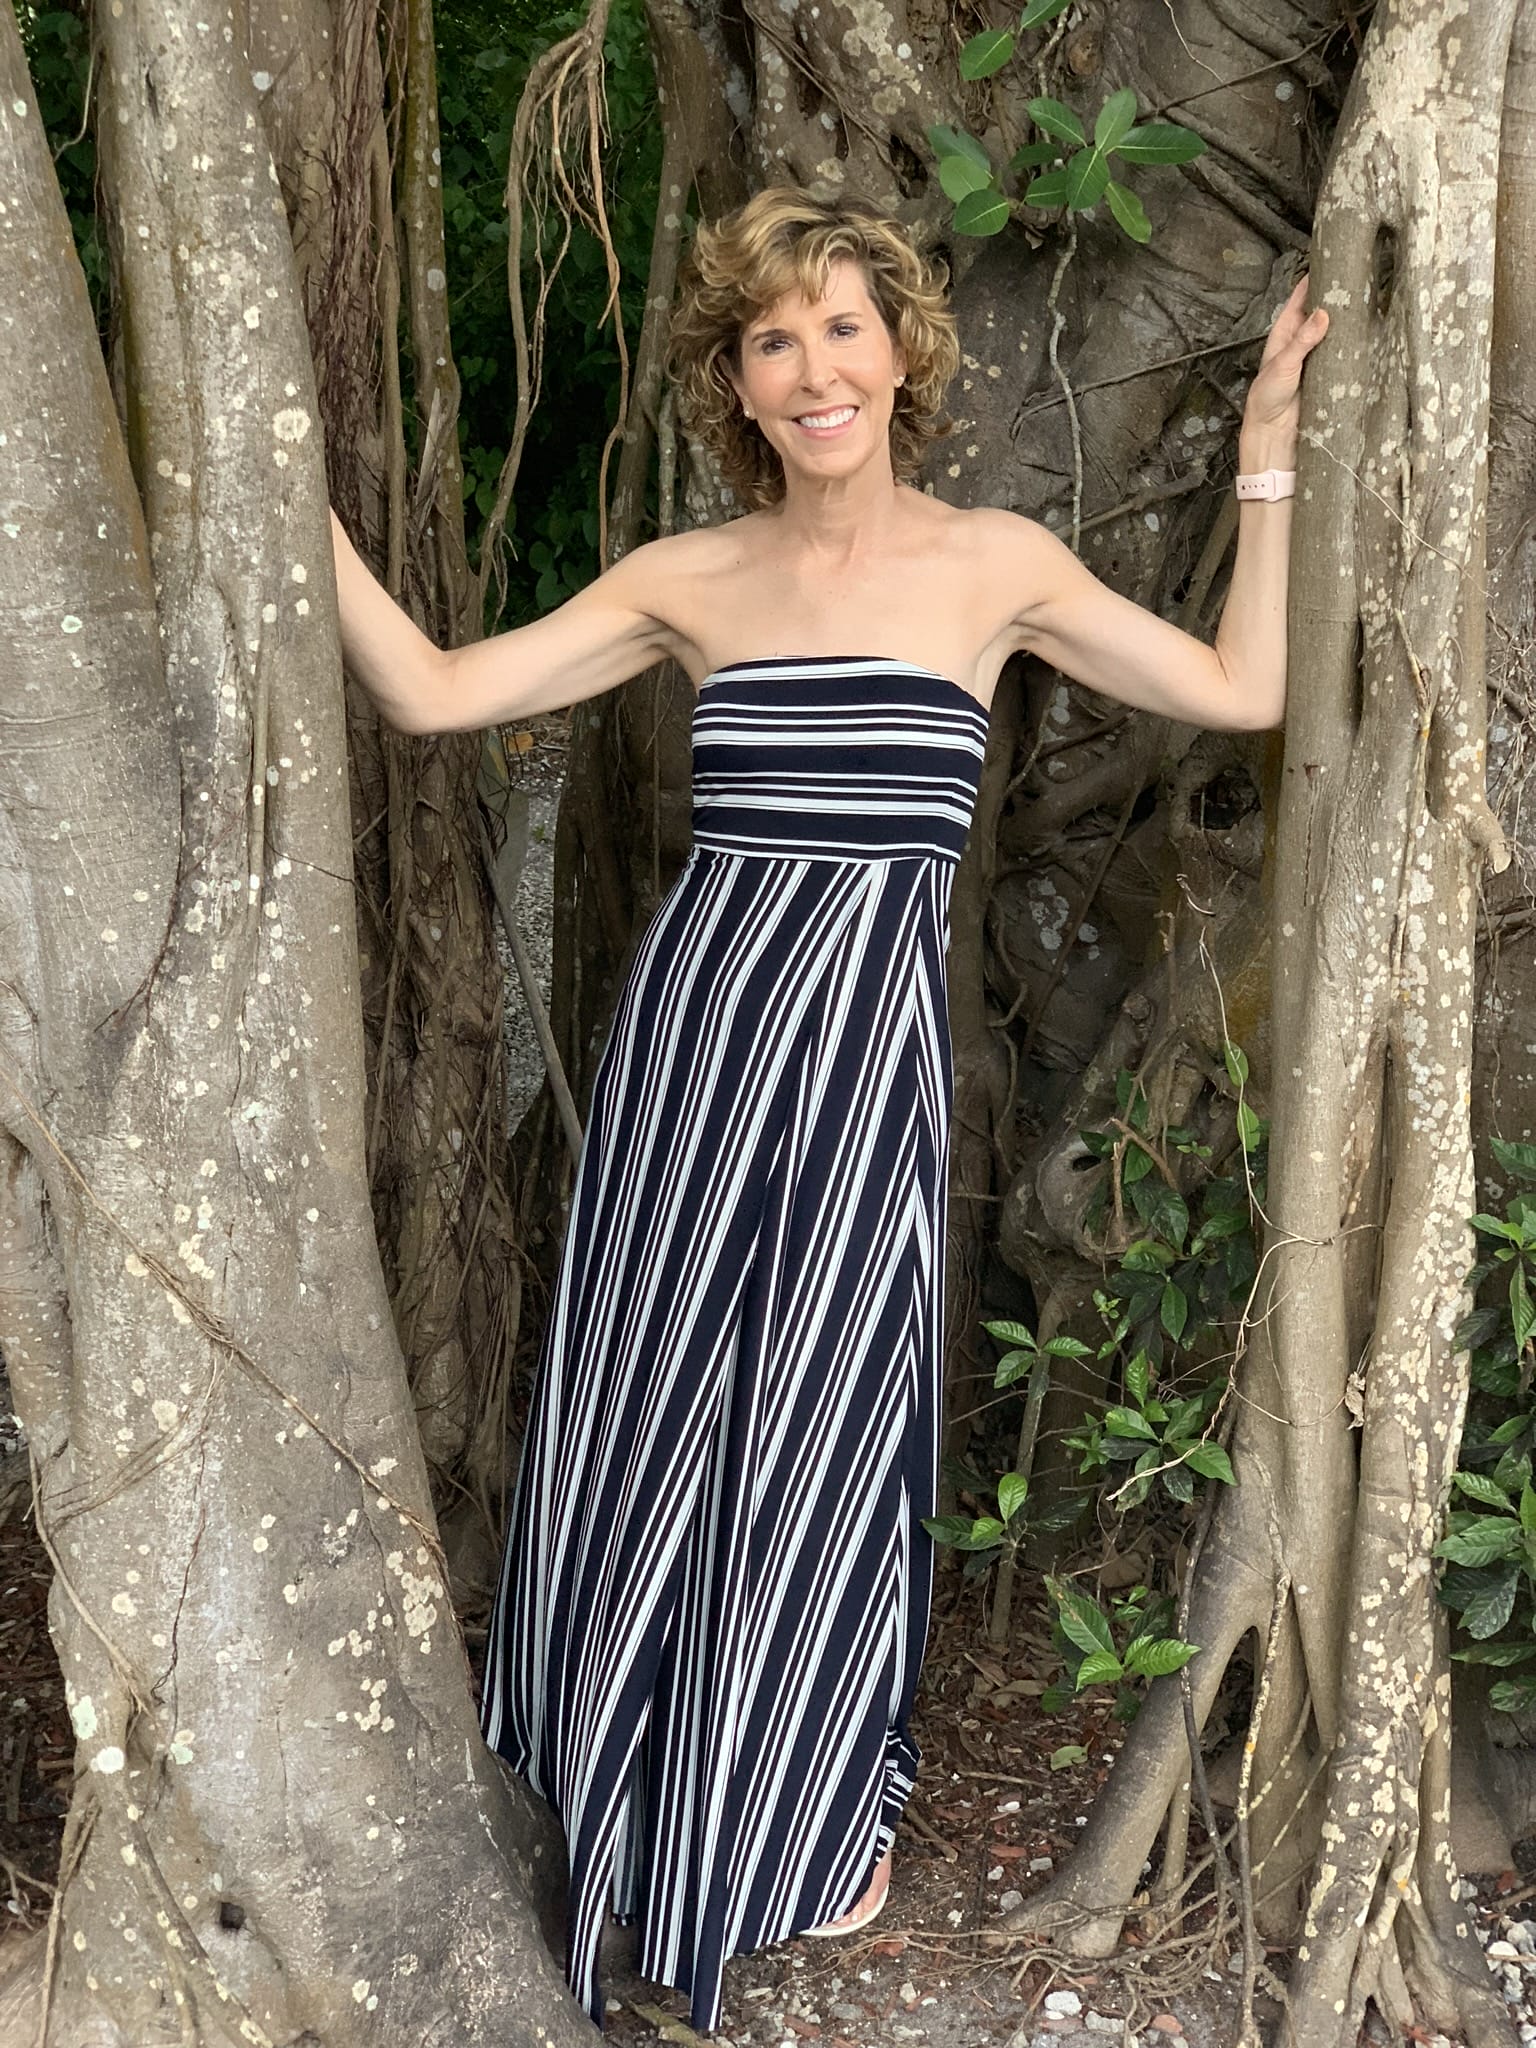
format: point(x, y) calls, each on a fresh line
point(1267, 483)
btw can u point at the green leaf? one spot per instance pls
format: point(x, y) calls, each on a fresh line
point(1477, 1486)
point(1211, 1462)
point(1067, 1347)
point(1007, 1332)
point(1012, 1492)
point(1062, 125)
point(1226, 1223)
point(1236, 1062)
point(1487, 1539)
point(1129, 1422)
point(1013, 1366)
point(1513, 1695)
point(985, 1531)
point(1096, 1667)
point(1249, 1128)
point(985, 53)
point(960, 177)
point(1522, 1313)
point(1069, 1754)
point(1041, 10)
point(1528, 1509)
point(1132, 216)
point(1177, 1482)
point(1055, 1698)
point(1490, 1374)
point(1146, 1255)
point(1513, 1470)
point(948, 1529)
point(1032, 155)
point(1136, 1162)
point(1158, 1656)
point(1163, 1210)
point(1486, 1613)
point(1160, 142)
point(1496, 1653)
point(1087, 178)
point(1173, 1310)
point(947, 141)
point(1138, 1379)
point(1081, 1622)
point(1049, 189)
point(1495, 1226)
point(1115, 120)
point(1518, 1160)
point(981, 213)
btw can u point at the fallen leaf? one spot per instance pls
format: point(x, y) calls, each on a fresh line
point(667, 2028)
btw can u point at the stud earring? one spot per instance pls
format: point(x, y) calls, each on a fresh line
point(901, 379)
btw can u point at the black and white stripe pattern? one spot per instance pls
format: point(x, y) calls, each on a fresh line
point(715, 1591)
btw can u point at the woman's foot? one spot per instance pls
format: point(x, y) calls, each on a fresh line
point(865, 1911)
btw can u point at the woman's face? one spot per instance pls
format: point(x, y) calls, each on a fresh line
point(820, 376)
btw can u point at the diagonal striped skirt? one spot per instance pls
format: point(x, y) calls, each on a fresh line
point(714, 1597)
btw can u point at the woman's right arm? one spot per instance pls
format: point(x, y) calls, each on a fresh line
point(595, 640)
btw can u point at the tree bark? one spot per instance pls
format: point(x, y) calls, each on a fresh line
point(262, 1669)
point(1382, 831)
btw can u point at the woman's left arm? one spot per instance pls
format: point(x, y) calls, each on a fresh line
point(1079, 625)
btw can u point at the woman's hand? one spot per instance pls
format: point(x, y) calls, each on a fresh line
point(1272, 413)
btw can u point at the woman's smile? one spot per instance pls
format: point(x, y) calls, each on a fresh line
point(825, 426)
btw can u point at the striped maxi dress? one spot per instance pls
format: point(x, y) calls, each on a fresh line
point(714, 1596)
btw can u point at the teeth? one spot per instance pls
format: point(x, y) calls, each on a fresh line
point(827, 419)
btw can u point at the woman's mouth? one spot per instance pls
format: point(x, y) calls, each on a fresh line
point(824, 426)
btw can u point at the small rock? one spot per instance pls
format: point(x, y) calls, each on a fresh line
point(1040, 1863)
point(954, 1916)
point(1009, 1900)
point(994, 1874)
point(908, 1994)
point(844, 2009)
point(1063, 2005)
point(1165, 2023)
point(1503, 1951)
point(1103, 2023)
point(1523, 1934)
point(612, 2005)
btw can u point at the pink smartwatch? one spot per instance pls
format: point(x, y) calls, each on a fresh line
point(1268, 483)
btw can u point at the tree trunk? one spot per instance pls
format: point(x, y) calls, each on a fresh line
point(1325, 1546)
point(260, 1660)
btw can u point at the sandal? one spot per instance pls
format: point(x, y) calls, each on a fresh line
point(834, 1933)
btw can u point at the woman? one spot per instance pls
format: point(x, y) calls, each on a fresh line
point(714, 1596)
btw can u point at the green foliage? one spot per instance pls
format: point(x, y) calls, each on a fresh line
point(1163, 1441)
point(1068, 167)
point(56, 41)
point(484, 56)
point(1131, 1641)
point(1490, 1540)
point(991, 1536)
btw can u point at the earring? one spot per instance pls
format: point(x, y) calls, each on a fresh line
point(902, 379)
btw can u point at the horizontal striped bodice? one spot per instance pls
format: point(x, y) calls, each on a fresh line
point(835, 757)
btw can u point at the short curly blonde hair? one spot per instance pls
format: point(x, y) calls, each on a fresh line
point(743, 263)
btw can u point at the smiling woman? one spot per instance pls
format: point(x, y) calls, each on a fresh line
point(714, 1595)
point(840, 308)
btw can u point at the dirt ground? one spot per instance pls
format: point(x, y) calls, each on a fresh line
point(987, 1813)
